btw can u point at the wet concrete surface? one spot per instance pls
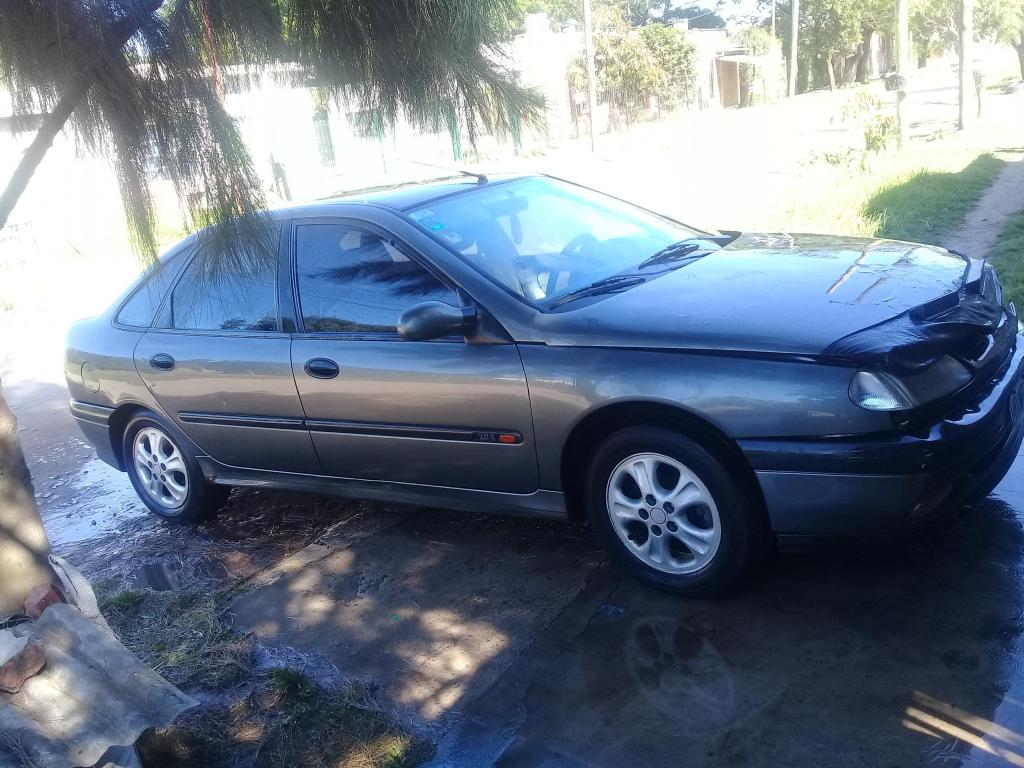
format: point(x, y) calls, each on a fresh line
point(434, 606)
point(513, 642)
point(94, 518)
point(895, 659)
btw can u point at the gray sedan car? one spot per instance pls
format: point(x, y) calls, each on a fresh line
point(524, 345)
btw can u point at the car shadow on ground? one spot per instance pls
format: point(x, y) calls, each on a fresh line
point(897, 657)
point(514, 641)
point(523, 638)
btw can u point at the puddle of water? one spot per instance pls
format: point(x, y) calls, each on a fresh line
point(102, 499)
point(179, 574)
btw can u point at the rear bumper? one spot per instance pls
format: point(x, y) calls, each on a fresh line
point(890, 485)
point(94, 421)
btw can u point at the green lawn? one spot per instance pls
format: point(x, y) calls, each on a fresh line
point(921, 194)
point(927, 205)
point(1008, 259)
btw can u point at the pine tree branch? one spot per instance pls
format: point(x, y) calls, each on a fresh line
point(72, 96)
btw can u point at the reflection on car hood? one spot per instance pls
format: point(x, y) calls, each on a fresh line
point(775, 293)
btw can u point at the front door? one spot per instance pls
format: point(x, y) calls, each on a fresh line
point(443, 412)
point(220, 366)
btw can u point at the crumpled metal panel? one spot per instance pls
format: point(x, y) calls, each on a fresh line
point(93, 693)
point(909, 343)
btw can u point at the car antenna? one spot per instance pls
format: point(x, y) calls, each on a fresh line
point(480, 178)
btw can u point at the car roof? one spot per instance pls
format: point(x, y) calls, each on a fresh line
point(402, 197)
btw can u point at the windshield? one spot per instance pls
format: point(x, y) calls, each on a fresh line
point(543, 239)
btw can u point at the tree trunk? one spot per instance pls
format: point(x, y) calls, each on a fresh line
point(865, 68)
point(1019, 46)
point(794, 48)
point(23, 543)
point(966, 75)
point(73, 94)
point(40, 145)
point(902, 69)
point(831, 73)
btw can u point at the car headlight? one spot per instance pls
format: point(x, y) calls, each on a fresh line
point(880, 391)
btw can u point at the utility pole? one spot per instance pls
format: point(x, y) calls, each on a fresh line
point(902, 68)
point(588, 40)
point(774, 3)
point(966, 62)
point(793, 32)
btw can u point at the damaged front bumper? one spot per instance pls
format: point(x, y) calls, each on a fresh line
point(892, 484)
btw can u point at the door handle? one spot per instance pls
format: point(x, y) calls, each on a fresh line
point(322, 368)
point(162, 361)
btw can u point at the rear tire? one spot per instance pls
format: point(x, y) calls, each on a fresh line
point(165, 473)
point(671, 513)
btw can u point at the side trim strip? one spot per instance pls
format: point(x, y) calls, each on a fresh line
point(457, 434)
point(97, 414)
point(239, 420)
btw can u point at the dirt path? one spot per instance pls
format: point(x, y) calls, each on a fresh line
point(1004, 199)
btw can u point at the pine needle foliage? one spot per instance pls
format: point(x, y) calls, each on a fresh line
point(145, 70)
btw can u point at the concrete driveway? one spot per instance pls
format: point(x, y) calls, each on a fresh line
point(514, 643)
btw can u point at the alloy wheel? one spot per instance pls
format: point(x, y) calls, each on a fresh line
point(663, 513)
point(160, 468)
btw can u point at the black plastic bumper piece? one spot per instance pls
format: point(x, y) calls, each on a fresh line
point(891, 484)
point(94, 421)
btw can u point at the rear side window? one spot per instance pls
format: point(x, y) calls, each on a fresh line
point(209, 298)
point(140, 309)
point(353, 281)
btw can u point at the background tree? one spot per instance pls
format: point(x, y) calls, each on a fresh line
point(829, 30)
point(676, 57)
point(696, 17)
point(934, 26)
point(836, 38)
point(875, 17)
point(558, 11)
point(1002, 21)
point(627, 74)
point(131, 79)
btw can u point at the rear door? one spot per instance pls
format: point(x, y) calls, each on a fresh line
point(444, 412)
point(219, 365)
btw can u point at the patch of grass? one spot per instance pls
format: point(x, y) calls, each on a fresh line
point(182, 636)
point(1008, 259)
point(922, 193)
point(291, 722)
point(926, 205)
point(281, 719)
point(344, 729)
point(203, 738)
point(121, 601)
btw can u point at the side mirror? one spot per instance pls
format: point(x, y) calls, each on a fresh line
point(435, 320)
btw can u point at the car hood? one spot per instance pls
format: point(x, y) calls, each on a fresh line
point(769, 293)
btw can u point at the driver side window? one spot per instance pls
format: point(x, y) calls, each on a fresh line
point(353, 281)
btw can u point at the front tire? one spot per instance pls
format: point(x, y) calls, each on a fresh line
point(670, 512)
point(165, 474)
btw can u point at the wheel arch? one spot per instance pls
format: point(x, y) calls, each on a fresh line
point(598, 424)
point(119, 421)
point(122, 417)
